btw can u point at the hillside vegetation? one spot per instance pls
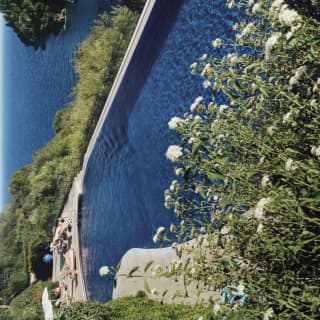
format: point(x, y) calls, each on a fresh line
point(39, 190)
point(33, 20)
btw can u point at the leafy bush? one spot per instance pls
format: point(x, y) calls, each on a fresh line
point(27, 305)
point(248, 163)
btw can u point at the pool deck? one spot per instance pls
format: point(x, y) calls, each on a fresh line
point(76, 288)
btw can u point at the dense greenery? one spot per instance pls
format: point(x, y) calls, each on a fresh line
point(248, 164)
point(142, 309)
point(33, 20)
point(27, 306)
point(39, 190)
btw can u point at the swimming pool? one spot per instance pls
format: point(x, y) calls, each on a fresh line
point(127, 173)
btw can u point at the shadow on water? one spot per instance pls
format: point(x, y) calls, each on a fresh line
point(127, 173)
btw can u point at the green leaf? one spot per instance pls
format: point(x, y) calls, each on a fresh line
point(214, 175)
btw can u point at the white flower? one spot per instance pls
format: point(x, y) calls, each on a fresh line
point(293, 80)
point(289, 35)
point(230, 3)
point(248, 28)
point(196, 102)
point(270, 43)
point(174, 153)
point(315, 150)
point(225, 230)
point(235, 26)
point(240, 288)
point(173, 185)
point(206, 69)
point(192, 140)
point(104, 271)
point(193, 65)
point(179, 171)
point(197, 117)
point(154, 292)
point(259, 210)
point(200, 318)
point(260, 228)
point(198, 99)
point(250, 3)
point(217, 43)
point(268, 314)
point(290, 166)
point(223, 107)
point(206, 84)
point(232, 58)
point(193, 270)
point(174, 122)
point(265, 181)
point(276, 5)
point(255, 8)
point(203, 57)
point(300, 72)
point(158, 233)
point(193, 107)
point(286, 117)
point(216, 308)
point(288, 16)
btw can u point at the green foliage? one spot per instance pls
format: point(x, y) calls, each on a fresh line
point(130, 309)
point(27, 305)
point(249, 170)
point(39, 190)
point(5, 315)
point(33, 20)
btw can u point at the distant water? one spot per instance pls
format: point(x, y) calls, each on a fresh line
point(37, 84)
point(123, 204)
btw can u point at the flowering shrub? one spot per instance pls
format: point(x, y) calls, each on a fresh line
point(248, 162)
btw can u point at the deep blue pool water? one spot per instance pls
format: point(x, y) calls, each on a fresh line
point(36, 84)
point(127, 172)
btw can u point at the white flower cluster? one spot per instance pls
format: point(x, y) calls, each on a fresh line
point(206, 69)
point(288, 16)
point(203, 57)
point(232, 58)
point(174, 122)
point(255, 8)
point(104, 271)
point(206, 84)
point(259, 210)
point(173, 153)
point(286, 117)
point(265, 181)
point(315, 150)
point(193, 68)
point(173, 185)
point(270, 43)
point(217, 43)
point(290, 166)
point(298, 75)
point(196, 103)
point(268, 314)
point(179, 171)
point(230, 3)
point(247, 29)
point(159, 232)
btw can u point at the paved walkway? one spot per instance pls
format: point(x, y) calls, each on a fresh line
point(75, 287)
